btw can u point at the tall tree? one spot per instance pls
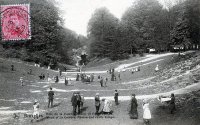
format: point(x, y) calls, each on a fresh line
point(186, 31)
point(48, 35)
point(143, 22)
point(101, 31)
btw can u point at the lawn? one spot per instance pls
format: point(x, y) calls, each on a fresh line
point(17, 98)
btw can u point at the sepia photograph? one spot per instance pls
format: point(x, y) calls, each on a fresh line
point(100, 62)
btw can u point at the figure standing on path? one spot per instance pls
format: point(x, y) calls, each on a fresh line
point(60, 72)
point(106, 81)
point(51, 97)
point(12, 67)
point(56, 79)
point(22, 80)
point(116, 97)
point(78, 97)
point(146, 112)
point(97, 103)
point(74, 103)
point(172, 104)
point(133, 108)
point(77, 77)
point(30, 72)
point(92, 77)
point(157, 69)
point(82, 101)
point(66, 81)
point(101, 82)
point(36, 110)
point(119, 76)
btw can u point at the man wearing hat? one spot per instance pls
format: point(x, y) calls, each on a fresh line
point(50, 95)
point(97, 102)
point(78, 97)
point(116, 94)
point(74, 102)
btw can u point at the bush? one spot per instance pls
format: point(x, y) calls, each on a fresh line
point(11, 53)
point(120, 56)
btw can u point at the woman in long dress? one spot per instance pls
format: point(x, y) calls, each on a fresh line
point(157, 69)
point(146, 112)
point(133, 107)
point(106, 106)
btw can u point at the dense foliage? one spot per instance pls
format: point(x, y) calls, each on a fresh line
point(146, 24)
point(50, 42)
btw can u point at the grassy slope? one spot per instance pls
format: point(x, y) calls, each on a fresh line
point(11, 89)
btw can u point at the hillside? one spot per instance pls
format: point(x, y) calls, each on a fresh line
point(174, 75)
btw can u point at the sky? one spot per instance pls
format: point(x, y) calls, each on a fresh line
point(76, 13)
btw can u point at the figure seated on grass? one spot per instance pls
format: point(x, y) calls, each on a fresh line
point(106, 106)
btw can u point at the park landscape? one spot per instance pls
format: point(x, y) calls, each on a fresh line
point(152, 44)
point(146, 83)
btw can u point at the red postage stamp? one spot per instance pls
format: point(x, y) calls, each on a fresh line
point(15, 22)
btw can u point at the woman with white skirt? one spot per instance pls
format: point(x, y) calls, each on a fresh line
point(146, 112)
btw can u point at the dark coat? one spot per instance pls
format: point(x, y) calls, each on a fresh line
point(116, 95)
point(74, 100)
point(172, 103)
point(51, 94)
point(97, 101)
point(133, 108)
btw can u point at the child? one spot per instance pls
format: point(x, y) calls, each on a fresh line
point(22, 81)
point(36, 110)
point(146, 112)
point(156, 69)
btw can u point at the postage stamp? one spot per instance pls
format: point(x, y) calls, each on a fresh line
point(15, 22)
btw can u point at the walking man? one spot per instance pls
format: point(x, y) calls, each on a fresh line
point(51, 95)
point(101, 82)
point(116, 97)
point(172, 104)
point(97, 103)
point(106, 80)
point(78, 97)
point(74, 103)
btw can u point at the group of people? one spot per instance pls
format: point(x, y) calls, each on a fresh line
point(77, 101)
point(134, 113)
point(85, 78)
point(42, 76)
point(103, 106)
point(146, 110)
point(103, 81)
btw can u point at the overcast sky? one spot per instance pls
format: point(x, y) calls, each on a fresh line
point(77, 13)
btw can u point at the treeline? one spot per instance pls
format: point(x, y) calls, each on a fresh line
point(146, 24)
point(50, 42)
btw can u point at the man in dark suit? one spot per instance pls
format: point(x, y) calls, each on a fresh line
point(116, 97)
point(78, 97)
point(97, 103)
point(74, 102)
point(172, 104)
point(50, 95)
